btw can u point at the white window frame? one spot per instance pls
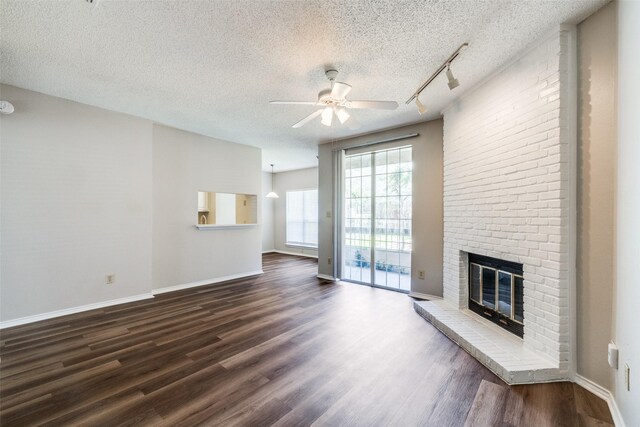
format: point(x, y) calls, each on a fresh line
point(305, 223)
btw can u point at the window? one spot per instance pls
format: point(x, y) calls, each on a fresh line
point(302, 218)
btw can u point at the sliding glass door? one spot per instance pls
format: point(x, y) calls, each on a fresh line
point(377, 218)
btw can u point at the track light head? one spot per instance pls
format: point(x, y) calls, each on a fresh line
point(453, 82)
point(421, 108)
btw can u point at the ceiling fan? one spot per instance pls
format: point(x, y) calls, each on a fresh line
point(333, 101)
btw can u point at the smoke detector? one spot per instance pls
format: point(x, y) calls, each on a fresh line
point(6, 107)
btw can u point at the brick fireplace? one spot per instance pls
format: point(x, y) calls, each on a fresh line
point(509, 194)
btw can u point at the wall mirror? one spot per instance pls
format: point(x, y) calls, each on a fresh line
point(226, 209)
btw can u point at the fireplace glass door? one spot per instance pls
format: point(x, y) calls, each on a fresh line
point(496, 291)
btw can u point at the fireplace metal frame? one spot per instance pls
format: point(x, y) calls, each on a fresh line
point(509, 323)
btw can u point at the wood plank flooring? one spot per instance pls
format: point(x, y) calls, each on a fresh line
point(283, 348)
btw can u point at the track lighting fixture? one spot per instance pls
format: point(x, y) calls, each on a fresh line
point(421, 108)
point(272, 194)
point(453, 82)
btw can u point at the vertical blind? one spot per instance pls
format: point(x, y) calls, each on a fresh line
point(302, 218)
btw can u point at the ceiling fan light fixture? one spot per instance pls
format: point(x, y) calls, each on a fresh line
point(272, 194)
point(334, 102)
point(327, 116)
point(453, 82)
point(421, 108)
point(342, 114)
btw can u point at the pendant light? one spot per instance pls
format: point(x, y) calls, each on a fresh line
point(272, 194)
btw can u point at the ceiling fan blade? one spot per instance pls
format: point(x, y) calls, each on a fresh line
point(293, 102)
point(307, 119)
point(340, 90)
point(374, 105)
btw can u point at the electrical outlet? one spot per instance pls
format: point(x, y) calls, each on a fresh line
point(328, 214)
point(110, 279)
point(329, 261)
point(627, 376)
point(421, 274)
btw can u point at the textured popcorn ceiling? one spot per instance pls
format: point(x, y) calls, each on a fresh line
point(212, 66)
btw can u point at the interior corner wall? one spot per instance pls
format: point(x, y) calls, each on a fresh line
point(183, 164)
point(597, 75)
point(76, 205)
point(266, 225)
point(301, 179)
point(627, 299)
point(427, 202)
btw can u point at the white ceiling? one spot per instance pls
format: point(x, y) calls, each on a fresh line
point(211, 67)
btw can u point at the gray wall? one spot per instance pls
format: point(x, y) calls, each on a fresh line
point(302, 179)
point(183, 164)
point(597, 65)
point(87, 192)
point(427, 202)
point(76, 205)
point(627, 301)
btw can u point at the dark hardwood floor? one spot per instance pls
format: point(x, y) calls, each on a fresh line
point(284, 348)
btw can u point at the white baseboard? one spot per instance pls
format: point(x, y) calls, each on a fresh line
point(204, 282)
point(603, 394)
point(295, 253)
point(326, 277)
point(72, 310)
point(268, 251)
point(420, 295)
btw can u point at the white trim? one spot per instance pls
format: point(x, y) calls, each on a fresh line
point(204, 282)
point(301, 245)
point(326, 277)
point(72, 310)
point(219, 227)
point(593, 387)
point(295, 253)
point(570, 111)
point(268, 251)
point(423, 296)
point(618, 421)
point(603, 394)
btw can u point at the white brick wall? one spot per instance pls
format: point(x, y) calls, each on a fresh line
point(507, 187)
